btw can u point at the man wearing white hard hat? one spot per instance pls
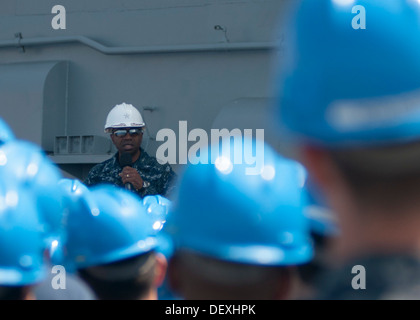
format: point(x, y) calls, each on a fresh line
point(131, 167)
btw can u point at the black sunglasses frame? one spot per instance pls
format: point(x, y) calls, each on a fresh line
point(123, 132)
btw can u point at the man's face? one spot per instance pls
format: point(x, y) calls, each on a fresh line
point(127, 139)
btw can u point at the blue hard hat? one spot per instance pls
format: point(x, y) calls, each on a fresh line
point(157, 207)
point(27, 164)
point(75, 201)
point(112, 226)
point(229, 212)
point(21, 237)
point(322, 219)
point(350, 72)
point(6, 134)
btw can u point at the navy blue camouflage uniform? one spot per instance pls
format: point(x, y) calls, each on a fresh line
point(161, 177)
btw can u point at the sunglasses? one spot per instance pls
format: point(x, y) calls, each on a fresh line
point(123, 132)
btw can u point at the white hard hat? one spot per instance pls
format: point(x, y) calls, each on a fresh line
point(123, 116)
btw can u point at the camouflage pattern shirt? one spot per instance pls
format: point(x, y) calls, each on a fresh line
point(160, 179)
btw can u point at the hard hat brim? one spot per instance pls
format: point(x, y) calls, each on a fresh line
point(266, 255)
point(117, 254)
point(124, 125)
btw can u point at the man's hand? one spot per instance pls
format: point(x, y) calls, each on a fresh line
point(130, 175)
